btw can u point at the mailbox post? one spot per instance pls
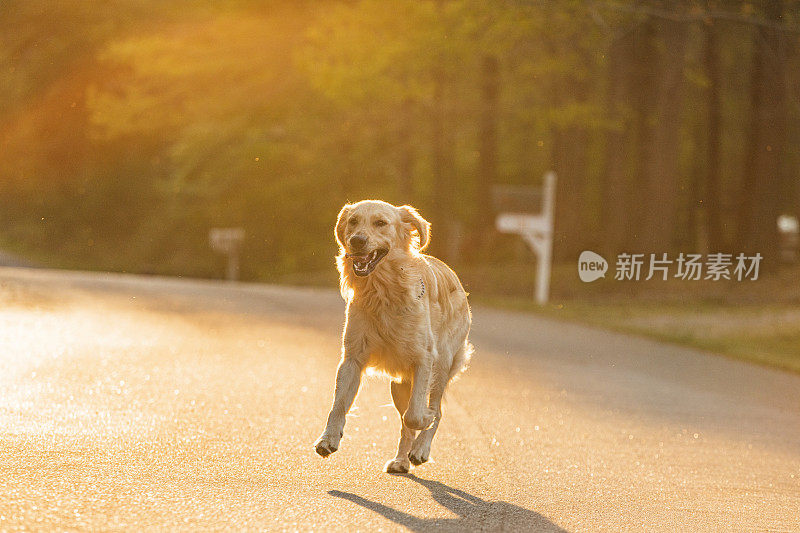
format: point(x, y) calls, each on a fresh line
point(228, 241)
point(537, 230)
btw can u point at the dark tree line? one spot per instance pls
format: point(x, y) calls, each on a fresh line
point(127, 132)
point(651, 201)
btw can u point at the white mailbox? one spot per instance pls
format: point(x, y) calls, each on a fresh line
point(228, 241)
point(537, 230)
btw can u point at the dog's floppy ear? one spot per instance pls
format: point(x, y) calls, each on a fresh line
point(341, 222)
point(409, 215)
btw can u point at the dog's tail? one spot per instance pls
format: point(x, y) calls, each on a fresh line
point(461, 359)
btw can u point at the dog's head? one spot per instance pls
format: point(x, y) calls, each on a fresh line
point(370, 230)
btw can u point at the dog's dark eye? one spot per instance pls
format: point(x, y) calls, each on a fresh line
point(353, 221)
point(379, 223)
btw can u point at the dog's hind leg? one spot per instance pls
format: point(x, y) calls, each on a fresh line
point(401, 392)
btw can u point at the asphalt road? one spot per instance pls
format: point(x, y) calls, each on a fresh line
point(10, 260)
point(138, 403)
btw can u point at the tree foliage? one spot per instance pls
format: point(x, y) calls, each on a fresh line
point(129, 128)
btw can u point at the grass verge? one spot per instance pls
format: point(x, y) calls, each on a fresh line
point(766, 334)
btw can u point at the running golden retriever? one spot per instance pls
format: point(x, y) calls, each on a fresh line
point(407, 316)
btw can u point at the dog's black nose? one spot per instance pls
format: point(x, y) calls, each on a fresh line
point(357, 242)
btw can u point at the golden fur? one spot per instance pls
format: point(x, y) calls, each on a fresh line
point(408, 318)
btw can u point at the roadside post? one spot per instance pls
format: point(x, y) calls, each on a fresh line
point(517, 213)
point(228, 241)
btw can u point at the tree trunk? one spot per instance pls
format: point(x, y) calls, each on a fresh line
point(712, 193)
point(481, 230)
point(570, 164)
point(487, 174)
point(615, 208)
point(759, 202)
point(661, 153)
point(405, 185)
point(643, 103)
point(445, 244)
point(569, 158)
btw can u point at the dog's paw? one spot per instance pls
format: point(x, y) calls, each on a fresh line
point(420, 452)
point(327, 444)
point(397, 466)
point(421, 420)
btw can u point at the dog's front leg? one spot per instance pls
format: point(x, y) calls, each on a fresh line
point(348, 379)
point(419, 415)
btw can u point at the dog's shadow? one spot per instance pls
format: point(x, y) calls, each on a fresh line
point(473, 513)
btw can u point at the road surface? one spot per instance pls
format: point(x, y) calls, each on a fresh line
point(8, 259)
point(140, 403)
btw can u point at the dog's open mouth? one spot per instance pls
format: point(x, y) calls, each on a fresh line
point(364, 264)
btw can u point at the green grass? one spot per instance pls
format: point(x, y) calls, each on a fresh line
point(756, 321)
point(766, 334)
